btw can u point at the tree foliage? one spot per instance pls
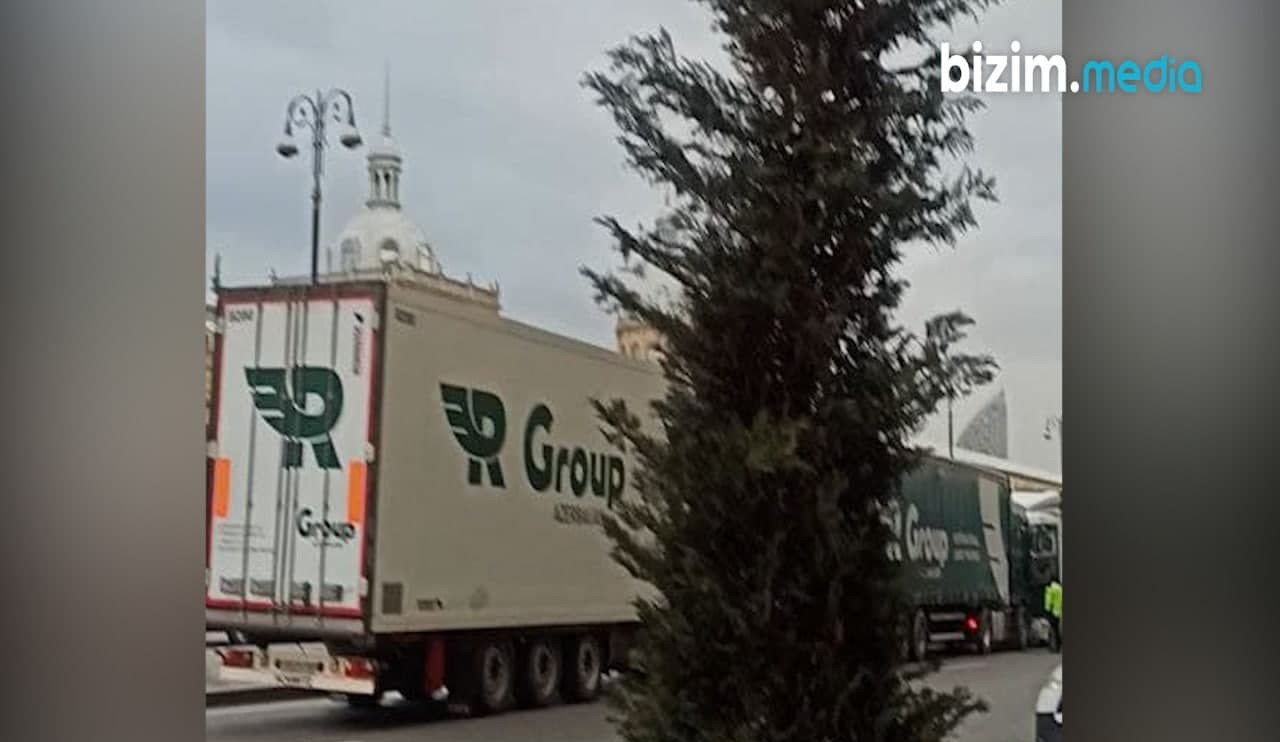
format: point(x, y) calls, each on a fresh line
point(797, 177)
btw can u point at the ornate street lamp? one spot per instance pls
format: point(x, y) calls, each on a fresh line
point(316, 113)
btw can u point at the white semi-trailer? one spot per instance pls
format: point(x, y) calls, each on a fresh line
point(405, 491)
point(404, 495)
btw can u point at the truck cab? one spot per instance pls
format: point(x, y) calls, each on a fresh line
point(1044, 517)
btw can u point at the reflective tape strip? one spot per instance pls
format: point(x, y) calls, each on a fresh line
point(221, 487)
point(357, 472)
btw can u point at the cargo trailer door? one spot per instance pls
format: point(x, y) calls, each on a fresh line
point(290, 457)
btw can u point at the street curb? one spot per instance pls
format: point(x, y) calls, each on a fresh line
point(254, 695)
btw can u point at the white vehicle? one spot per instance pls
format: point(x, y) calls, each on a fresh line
point(1049, 709)
point(404, 494)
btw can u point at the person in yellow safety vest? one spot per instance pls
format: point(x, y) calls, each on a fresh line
point(1053, 607)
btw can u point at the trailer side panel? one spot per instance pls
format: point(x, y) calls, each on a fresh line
point(494, 474)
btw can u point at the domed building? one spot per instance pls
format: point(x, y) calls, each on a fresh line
point(382, 241)
point(381, 235)
point(637, 340)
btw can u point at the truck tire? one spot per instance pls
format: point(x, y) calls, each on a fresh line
point(919, 636)
point(582, 669)
point(982, 645)
point(540, 673)
point(493, 675)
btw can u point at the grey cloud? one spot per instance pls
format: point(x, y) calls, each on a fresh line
point(508, 161)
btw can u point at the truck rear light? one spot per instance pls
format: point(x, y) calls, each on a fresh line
point(971, 624)
point(237, 658)
point(359, 669)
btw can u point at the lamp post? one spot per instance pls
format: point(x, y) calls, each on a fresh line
point(1051, 425)
point(315, 112)
point(1054, 423)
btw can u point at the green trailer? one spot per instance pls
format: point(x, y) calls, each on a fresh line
point(963, 546)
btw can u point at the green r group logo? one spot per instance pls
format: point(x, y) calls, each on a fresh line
point(912, 538)
point(287, 414)
point(478, 420)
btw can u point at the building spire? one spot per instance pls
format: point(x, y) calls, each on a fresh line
point(386, 100)
point(384, 157)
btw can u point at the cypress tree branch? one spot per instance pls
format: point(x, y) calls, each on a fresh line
point(799, 177)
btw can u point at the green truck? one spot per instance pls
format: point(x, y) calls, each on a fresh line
point(964, 547)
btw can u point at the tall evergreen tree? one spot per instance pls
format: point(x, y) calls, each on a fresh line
point(796, 180)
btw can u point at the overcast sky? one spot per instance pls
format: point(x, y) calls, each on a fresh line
point(507, 161)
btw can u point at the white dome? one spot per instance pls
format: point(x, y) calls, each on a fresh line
point(376, 238)
point(380, 235)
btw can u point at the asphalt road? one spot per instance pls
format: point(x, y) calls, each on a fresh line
point(1009, 683)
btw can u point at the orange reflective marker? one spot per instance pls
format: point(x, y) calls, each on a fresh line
point(221, 487)
point(356, 477)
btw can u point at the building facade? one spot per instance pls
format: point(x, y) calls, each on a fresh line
point(637, 340)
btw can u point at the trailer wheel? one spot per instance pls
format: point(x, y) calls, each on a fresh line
point(494, 676)
point(585, 660)
point(919, 636)
point(982, 645)
point(540, 673)
point(1024, 630)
